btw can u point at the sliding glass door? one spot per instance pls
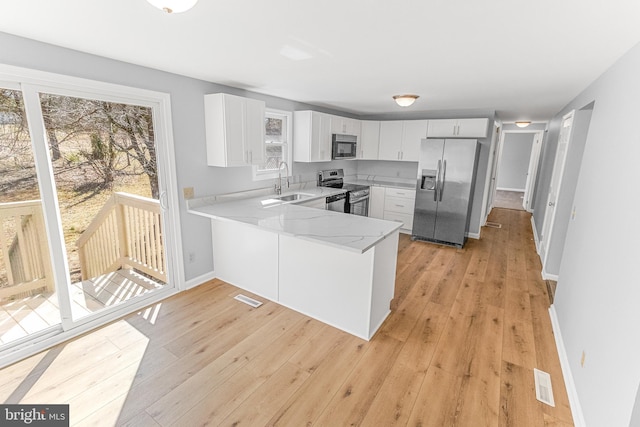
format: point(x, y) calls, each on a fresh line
point(28, 301)
point(83, 230)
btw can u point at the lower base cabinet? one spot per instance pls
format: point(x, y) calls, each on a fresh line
point(393, 204)
point(353, 294)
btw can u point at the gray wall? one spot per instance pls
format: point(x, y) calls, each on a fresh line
point(514, 161)
point(597, 299)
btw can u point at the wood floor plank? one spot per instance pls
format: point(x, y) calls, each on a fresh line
point(170, 393)
point(350, 405)
point(312, 398)
point(393, 403)
point(518, 404)
point(458, 349)
point(274, 392)
point(436, 405)
point(447, 288)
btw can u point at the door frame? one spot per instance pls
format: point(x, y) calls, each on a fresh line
point(532, 172)
point(31, 82)
point(490, 179)
point(558, 168)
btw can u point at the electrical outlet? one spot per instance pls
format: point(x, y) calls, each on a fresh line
point(192, 257)
point(188, 193)
point(582, 359)
point(573, 213)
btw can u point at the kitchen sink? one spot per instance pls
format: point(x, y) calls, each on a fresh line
point(291, 197)
point(286, 198)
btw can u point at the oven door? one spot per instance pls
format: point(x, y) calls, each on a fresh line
point(344, 146)
point(360, 207)
point(337, 202)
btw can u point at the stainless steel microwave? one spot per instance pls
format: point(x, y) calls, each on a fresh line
point(343, 146)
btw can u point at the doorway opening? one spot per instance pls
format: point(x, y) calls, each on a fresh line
point(515, 169)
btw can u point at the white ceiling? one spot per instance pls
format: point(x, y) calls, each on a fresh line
point(524, 59)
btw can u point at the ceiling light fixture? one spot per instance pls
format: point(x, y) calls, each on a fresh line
point(405, 100)
point(523, 124)
point(173, 6)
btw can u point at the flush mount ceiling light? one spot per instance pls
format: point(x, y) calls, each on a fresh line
point(523, 124)
point(405, 100)
point(173, 6)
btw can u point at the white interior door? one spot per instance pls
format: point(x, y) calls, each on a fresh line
point(532, 171)
point(556, 182)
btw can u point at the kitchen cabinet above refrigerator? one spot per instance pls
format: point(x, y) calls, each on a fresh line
point(400, 139)
point(458, 128)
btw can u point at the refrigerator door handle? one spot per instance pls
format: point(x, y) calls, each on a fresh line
point(444, 177)
point(435, 193)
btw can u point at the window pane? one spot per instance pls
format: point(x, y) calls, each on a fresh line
point(104, 161)
point(28, 300)
point(275, 129)
point(275, 141)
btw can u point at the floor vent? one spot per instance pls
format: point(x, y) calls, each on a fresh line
point(493, 224)
point(544, 392)
point(245, 299)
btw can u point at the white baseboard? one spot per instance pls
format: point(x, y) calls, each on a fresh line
point(518, 190)
point(473, 236)
point(574, 401)
point(192, 283)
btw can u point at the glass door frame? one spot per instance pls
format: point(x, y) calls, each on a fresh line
point(31, 83)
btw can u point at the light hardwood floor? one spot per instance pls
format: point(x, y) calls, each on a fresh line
point(459, 348)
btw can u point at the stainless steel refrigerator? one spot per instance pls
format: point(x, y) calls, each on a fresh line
point(446, 178)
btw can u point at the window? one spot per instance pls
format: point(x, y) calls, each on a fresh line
point(277, 144)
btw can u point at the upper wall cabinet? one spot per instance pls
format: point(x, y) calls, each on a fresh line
point(234, 130)
point(458, 128)
point(345, 126)
point(369, 140)
point(311, 136)
point(400, 139)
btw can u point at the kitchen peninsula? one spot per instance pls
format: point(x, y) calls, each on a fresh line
point(335, 267)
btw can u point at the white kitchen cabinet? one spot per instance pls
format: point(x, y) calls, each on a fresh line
point(458, 128)
point(345, 126)
point(390, 140)
point(376, 202)
point(399, 204)
point(369, 140)
point(232, 254)
point(311, 136)
point(400, 139)
point(413, 131)
point(234, 130)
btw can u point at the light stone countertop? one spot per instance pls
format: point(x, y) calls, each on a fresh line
point(344, 231)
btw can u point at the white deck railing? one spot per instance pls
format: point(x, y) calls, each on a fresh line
point(127, 232)
point(24, 249)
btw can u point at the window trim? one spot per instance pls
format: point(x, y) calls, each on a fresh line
point(272, 174)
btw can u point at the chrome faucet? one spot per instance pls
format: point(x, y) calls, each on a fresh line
point(279, 183)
